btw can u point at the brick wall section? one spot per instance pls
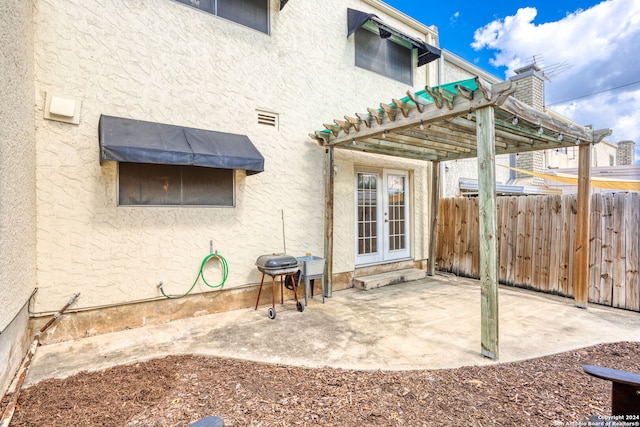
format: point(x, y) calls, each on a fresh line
point(530, 90)
point(626, 153)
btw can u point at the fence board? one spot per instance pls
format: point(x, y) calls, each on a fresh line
point(521, 220)
point(459, 227)
point(619, 251)
point(595, 244)
point(632, 277)
point(465, 245)
point(555, 242)
point(540, 260)
point(475, 239)
point(606, 277)
point(565, 246)
point(513, 240)
point(449, 234)
point(502, 204)
point(536, 244)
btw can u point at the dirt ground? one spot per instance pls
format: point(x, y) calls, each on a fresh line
point(179, 390)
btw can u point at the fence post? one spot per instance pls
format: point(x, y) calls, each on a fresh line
point(433, 232)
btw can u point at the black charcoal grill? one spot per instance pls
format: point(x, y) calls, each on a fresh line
point(278, 265)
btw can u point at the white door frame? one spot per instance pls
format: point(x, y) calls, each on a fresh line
point(382, 231)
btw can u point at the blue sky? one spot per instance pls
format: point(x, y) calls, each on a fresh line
point(593, 47)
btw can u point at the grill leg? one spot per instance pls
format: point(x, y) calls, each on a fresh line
point(273, 291)
point(259, 291)
point(295, 287)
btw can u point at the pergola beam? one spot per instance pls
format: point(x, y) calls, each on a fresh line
point(387, 116)
point(539, 118)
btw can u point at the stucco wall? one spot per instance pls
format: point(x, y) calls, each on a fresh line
point(455, 73)
point(468, 168)
point(158, 60)
point(17, 182)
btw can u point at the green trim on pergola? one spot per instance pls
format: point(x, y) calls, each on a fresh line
point(439, 124)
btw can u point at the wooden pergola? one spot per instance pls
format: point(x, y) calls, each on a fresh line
point(460, 120)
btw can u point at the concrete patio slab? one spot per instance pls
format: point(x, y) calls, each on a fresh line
point(430, 323)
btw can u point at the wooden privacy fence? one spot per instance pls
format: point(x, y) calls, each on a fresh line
point(536, 244)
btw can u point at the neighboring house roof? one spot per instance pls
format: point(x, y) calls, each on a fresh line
point(614, 178)
point(469, 187)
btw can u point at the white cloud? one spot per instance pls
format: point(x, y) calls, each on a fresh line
point(599, 44)
point(454, 18)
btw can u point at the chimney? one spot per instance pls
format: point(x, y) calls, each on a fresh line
point(530, 90)
point(625, 153)
point(529, 86)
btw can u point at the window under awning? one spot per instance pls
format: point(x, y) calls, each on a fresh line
point(137, 141)
point(356, 19)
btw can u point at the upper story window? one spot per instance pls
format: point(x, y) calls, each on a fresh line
point(251, 13)
point(384, 49)
point(383, 56)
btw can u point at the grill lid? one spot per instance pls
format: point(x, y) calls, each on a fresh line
point(277, 261)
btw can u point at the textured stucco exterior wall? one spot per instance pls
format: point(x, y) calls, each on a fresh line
point(455, 73)
point(159, 60)
point(17, 182)
point(468, 168)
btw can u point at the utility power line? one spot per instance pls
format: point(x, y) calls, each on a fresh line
point(595, 93)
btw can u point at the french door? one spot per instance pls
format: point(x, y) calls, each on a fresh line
point(382, 216)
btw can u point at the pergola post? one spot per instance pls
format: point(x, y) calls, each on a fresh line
point(581, 272)
point(328, 221)
point(485, 134)
point(433, 232)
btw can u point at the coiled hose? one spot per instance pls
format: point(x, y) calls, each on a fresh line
point(225, 274)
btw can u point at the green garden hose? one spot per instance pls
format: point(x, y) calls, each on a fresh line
point(225, 274)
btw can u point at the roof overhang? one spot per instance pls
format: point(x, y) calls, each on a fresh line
point(356, 19)
point(137, 141)
point(439, 124)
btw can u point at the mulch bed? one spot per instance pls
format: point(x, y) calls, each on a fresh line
point(179, 390)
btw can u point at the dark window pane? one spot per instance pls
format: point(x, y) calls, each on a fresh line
point(206, 5)
point(168, 185)
point(252, 13)
point(206, 186)
point(383, 56)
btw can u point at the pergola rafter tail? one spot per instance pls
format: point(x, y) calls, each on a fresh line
point(442, 118)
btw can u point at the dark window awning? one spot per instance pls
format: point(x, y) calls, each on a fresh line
point(137, 141)
point(356, 19)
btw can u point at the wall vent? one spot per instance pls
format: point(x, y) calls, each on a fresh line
point(267, 118)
